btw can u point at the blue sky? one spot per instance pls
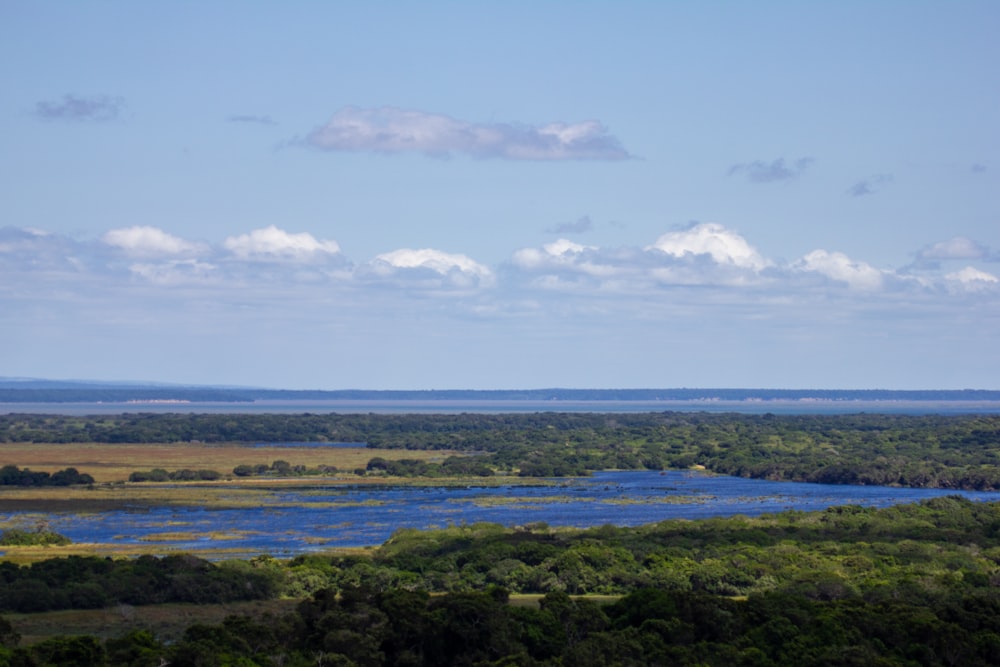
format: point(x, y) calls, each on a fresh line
point(501, 194)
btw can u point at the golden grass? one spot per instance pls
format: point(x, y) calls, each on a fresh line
point(115, 462)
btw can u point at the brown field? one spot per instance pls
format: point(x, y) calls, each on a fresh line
point(114, 463)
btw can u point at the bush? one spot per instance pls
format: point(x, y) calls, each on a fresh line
point(30, 538)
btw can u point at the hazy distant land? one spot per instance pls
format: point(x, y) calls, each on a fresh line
point(15, 390)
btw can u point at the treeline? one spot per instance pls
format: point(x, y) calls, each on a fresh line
point(182, 475)
point(79, 582)
point(648, 627)
point(960, 452)
point(11, 475)
point(908, 585)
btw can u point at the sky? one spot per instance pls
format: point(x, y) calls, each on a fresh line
point(499, 195)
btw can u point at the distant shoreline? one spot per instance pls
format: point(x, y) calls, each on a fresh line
point(785, 406)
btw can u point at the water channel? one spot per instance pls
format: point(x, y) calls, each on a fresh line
point(292, 522)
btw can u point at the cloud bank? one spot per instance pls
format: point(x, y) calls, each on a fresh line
point(390, 130)
point(270, 258)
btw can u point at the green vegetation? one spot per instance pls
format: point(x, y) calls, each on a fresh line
point(908, 585)
point(38, 537)
point(960, 452)
point(183, 475)
point(11, 475)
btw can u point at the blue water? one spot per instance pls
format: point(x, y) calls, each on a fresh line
point(345, 516)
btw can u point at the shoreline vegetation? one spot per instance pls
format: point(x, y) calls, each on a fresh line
point(915, 584)
point(927, 451)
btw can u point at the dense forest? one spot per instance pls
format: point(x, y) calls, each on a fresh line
point(952, 452)
point(908, 585)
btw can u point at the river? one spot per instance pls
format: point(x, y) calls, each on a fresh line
point(299, 521)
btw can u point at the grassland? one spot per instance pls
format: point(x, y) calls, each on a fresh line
point(115, 462)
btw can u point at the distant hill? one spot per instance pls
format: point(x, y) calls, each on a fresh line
point(18, 390)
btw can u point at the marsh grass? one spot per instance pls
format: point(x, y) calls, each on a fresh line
point(521, 501)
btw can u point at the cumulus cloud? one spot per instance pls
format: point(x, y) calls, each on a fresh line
point(145, 241)
point(973, 279)
point(722, 245)
point(94, 108)
point(390, 130)
point(870, 185)
point(274, 244)
point(838, 266)
point(566, 257)
point(770, 172)
point(459, 270)
point(703, 254)
point(580, 226)
point(301, 267)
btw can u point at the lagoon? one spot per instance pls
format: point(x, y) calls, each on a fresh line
point(289, 522)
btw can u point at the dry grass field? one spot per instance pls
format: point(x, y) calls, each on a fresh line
point(114, 463)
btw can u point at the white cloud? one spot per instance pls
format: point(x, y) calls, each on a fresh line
point(456, 270)
point(436, 260)
point(973, 279)
point(273, 244)
point(722, 245)
point(391, 130)
point(958, 247)
point(144, 241)
point(838, 266)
